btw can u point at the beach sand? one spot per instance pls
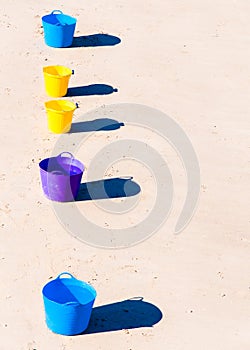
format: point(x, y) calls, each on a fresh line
point(189, 60)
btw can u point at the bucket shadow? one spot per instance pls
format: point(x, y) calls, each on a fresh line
point(102, 124)
point(94, 89)
point(110, 188)
point(95, 40)
point(127, 314)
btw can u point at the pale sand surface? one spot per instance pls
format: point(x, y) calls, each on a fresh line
point(189, 59)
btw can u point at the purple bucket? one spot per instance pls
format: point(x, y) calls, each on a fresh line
point(61, 177)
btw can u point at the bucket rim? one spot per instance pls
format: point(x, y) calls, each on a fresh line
point(80, 165)
point(59, 101)
point(60, 13)
point(84, 284)
point(57, 14)
point(57, 75)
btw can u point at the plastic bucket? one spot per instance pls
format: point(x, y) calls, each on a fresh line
point(56, 79)
point(58, 29)
point(60, 114)
point(68, 304)
point(61, 177)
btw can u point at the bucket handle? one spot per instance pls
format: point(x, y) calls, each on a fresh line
point(57, 172)
point(68, 153)
point(70, 157)
point(71, 277)
point(65, 273)
point(69, 303)
point(57, 11)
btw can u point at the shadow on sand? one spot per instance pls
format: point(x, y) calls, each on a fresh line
point(102, 124)
point(108, 188)
point(93, 89)
point(95, 40)
point(127, 314)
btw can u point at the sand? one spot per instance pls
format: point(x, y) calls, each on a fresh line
point(191, 61)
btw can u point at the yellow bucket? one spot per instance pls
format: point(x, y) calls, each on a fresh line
point(59, 113)
point(56, 80)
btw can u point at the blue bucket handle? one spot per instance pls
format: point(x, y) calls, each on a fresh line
point(69, 303)
point(72, 303)
point(59, 12)
point(66, 273)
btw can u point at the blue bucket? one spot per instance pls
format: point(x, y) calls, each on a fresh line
point(68, 304)
point(58, 29)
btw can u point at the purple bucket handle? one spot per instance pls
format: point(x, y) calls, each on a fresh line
point(66, 273)
point(70, 155)
point(57, 172)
